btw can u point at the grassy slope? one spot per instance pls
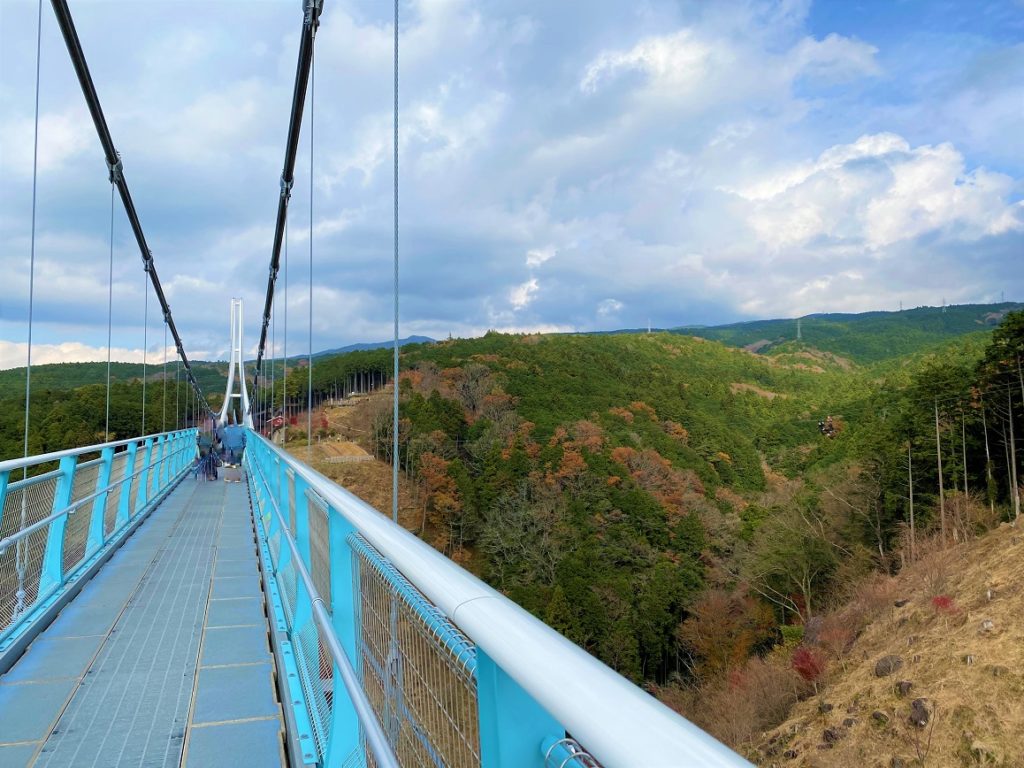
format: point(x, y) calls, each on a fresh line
point(976, 704)
point(867, 337)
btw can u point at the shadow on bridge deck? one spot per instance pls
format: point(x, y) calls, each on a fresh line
point(162, 659)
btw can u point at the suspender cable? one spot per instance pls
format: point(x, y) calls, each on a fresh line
point(74, 46)
point(394, 373)
point(273, 368)
point(32, 241)
point(163, 397)
point(21, 556)
point(309, 382)
point(284, 380)
point(177, 394)
point(145, 345)
point(311, 19)
point(110, 313)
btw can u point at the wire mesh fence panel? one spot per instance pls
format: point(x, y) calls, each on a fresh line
point(316, 673)
point(319, 546)
point(22, 562)
point(76, 529)
point(418, 669)
point(118, 467)
point(287, 583)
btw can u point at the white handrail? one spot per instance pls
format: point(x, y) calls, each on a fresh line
point(9, 465)
point(74, 505)
point(620, 724)
point(383, 754)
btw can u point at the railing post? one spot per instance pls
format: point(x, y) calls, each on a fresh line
point(175, 463)
point(344, 722)
point(142, 497)
point(513, 727)
point(4, 477)
point(156, 483)
point(124, 501)
point(52, 574)
point(99, 504)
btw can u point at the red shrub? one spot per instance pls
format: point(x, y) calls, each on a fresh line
point(943, 604)
point(808, 663)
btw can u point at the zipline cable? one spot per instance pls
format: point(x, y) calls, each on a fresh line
point(394, 374)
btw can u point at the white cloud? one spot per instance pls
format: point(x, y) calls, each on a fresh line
point(879, 190)
point(521, 296)
point(695, 161)
point(609, 307)
point(62, 136)
point(14, 354)
point(677, 61)
point(834, 58)
point(537, 256)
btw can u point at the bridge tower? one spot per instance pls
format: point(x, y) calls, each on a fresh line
point(236, 362)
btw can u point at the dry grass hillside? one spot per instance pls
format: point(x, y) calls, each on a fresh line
point(347, 456)
point(954, 623)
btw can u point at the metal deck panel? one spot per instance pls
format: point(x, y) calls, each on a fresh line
point(121, 674)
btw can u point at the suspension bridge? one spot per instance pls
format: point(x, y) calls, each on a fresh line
point(154, 615)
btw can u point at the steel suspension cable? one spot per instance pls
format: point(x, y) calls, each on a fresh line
point(309, 385)
point(113, 158)
point(110, 314)
point(311, 19)
point(394, 373)
point(177, 394)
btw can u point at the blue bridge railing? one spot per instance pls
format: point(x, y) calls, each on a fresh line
point(64, 512)
point(394, 655)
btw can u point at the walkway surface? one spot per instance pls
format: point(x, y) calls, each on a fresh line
point(163, 659)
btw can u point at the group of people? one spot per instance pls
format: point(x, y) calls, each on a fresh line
point(827, 427)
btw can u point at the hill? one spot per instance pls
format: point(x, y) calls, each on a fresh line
point(212, 376)
point(867, 337)
point(675, 506)
point(952, 624)
point(370, 345)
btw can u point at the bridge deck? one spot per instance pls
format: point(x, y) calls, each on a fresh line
point(163, 659)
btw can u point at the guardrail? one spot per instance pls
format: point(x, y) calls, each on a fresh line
point(56, 525)
point(455, 673)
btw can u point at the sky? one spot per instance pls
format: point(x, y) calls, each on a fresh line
point(563, 166)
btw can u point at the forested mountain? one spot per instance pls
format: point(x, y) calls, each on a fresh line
point(865, 337)
point(212, 376)
point(682, 509)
